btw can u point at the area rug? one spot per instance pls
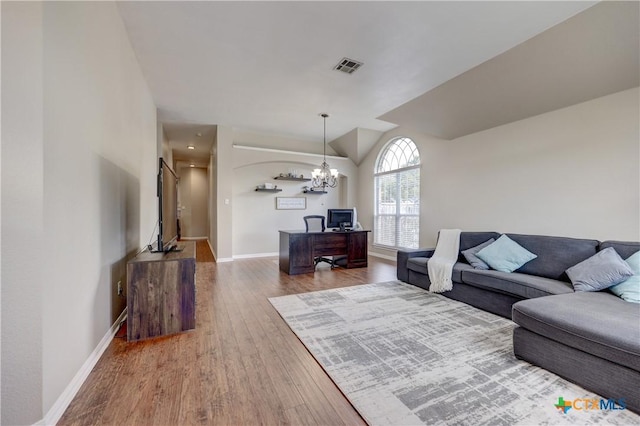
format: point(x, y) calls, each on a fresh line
point(404, 356)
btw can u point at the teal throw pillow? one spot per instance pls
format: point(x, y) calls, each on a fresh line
point(600, 271)
point(629, 290)
point(475, 261)
point(505, 255)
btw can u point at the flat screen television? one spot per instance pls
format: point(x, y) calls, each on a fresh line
point(340, 218)
point(167, 208)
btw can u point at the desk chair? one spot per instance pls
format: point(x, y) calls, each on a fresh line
point(315, 223)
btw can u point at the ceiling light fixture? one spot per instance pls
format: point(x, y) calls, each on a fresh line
point(325, 175)
point(191, 147)
point(192, 165)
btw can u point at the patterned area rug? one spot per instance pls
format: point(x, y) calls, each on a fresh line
point(402, 356)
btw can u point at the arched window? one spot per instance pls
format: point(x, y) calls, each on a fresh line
point(397, 198)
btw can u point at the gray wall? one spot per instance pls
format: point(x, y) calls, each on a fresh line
point(256, 220)
point(79, 151)
point(244, 222)
point(212, 171)
point(22, 213)
point(571, 172)
point(224, 190)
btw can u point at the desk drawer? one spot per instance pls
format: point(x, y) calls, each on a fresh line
point(329, 244)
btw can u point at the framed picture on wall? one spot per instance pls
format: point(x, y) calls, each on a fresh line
point(291, 203)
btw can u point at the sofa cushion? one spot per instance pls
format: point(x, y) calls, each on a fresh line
point(419, 264)
point(555, 254)
point(624, 248)
point(600, 271)
point(475, 261)
point(629, 289)
point(598, 323)
point(472, 239)
point(521, 285)
point(505, 255)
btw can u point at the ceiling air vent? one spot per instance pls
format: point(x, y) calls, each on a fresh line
point(347, 65)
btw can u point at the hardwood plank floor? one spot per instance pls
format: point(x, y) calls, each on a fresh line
point(242, 365)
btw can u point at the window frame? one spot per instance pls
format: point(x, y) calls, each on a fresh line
point(398, 207)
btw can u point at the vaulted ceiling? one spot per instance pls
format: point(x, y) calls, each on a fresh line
point(590, 55)
point(268, 66)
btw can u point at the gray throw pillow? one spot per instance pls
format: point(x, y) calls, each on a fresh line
point(600, 271)
point(475, 261)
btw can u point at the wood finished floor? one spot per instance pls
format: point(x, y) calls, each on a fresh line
point(242, 365)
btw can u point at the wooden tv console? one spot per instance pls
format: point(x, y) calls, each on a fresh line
point(298, 248)
point(161, 292)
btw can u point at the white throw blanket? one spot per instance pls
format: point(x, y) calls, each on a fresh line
point(440, 266)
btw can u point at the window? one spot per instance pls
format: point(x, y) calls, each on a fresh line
point(397, 186)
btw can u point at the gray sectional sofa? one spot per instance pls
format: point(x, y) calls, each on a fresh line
point(589, 338)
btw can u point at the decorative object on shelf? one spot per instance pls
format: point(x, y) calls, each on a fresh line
point(268, 187)
point(307, 190)
point(300, 178)
point(325, 175)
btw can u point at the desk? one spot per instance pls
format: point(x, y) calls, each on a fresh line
point(298, 248)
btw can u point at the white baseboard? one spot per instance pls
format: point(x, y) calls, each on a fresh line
point(382, 256)
point(192, 238)
point(215, 256)
point(250, 256)
point(211, 248)
point(62, 403)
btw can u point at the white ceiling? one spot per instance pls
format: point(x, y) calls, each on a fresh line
point(267, 66)
point(590, 55)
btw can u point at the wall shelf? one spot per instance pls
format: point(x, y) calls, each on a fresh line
point(314, 192)
point(268, 190)
point(297, 179)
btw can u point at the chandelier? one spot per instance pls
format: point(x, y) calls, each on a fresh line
point(325, 175)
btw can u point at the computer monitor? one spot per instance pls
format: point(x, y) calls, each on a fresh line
point(340, 218)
